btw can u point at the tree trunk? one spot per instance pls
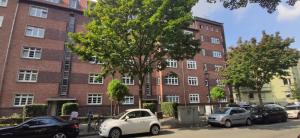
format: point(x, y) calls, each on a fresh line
point(140, 95)
point(118, 107)
point(239, 93)
point(259, 96)
point(115, 106)
point(231, 99)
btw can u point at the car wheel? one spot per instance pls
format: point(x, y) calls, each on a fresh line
point(284, 119)
point(59, 135)
point(154, 130)
point(228, 123)
point(298, 116)
point(115, 133)
point(248, 122)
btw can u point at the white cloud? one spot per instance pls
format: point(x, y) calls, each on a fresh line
point(288, 13)
point(204, 9)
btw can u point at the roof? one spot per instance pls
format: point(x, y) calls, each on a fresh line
point(208, 21)
point(138, 109)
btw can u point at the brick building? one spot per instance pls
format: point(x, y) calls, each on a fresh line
point(36, 67)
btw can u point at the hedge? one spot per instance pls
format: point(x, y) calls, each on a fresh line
point(169, 109)
point(67, 108)
point(150, 106)
point(35, 110)
point(232, 105)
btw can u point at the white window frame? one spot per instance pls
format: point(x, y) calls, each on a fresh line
point(127, 80)
point(94, 99)
point(172, 98)
point(158, 81)
point(36, 11)
point(1, 21)
point(94, 61)
point(171, 80)
point(191, 64)
point(217, 54)
point(171, 63)
point(36, 32)
point(32, 74)
point(28, 98)
point(218, 68)
point(187, 32)
point(193, 81)
point(93, 79)
point(194, 98)
point(202, 38)
point(204, 67)
point(215, 40)
point(128, 100)
point(219, 83)
point(203, 52)
point(73, 4)
point(3, 4)
point(37, 53)
point(54, 1)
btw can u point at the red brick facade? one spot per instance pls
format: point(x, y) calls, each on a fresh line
point(46, 89)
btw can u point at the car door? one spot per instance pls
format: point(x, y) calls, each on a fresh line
point(235, 116)
point(27, 130)
point(243, 116)
point(146, 121)
point(133, 123)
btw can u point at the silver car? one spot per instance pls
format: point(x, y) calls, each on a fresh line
point(229, 116)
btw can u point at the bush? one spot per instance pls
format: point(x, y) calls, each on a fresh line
point(232, 105)
point(150, 106)
point(35, 110)
point(67, 108)
point(169, 109)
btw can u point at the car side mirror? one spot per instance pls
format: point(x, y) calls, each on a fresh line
point(126, 118)
point(25, 126)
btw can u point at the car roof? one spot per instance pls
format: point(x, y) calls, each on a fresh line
point(138, 110)
point(293, 105)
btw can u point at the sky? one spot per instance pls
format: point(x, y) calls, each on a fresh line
point(249, 22)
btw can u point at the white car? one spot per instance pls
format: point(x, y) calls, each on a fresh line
point(293, 111)
point(130, 122)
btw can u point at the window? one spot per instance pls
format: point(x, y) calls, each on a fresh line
point(32, 53)
point(38, 12)
point(1, 20)
point(127, 80)
point(212, 29)
point(94, 60)
point(251, 95)
point(128, 100)
point(35, 32)
point(207, 28)
point(173, 99)
point(219, 83)
point(94, 99)
point(202, 38)
point(187, 32)
point(205, 67)
point(73, 4)
point(158, 81)
point(217, 54)
point(191, 64)
point(171, 80)
point(27, 76)
point(223, 100)
point(54, 1)
point(23, 99)
point(193, 81)
point(203, 52)
point(3, 3)
point(218, 67)
point(217, 30)
point(95, 79)
point(215, 40)
point(286, 81)
point(171, 63)
point(201, 26)
point(194, 98)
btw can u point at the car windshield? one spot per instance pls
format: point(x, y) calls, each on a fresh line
point(120, 115)
point(221, 110)
point(292, 108)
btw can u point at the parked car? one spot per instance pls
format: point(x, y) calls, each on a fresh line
point(130, 122)
point(268, 113)
point(293, 111)
point(42, 127)
point(229, 116)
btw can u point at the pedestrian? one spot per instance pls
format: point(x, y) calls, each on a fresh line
point(73, 116)
point(90, 118)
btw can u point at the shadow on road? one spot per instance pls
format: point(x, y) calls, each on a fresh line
point(146, 135)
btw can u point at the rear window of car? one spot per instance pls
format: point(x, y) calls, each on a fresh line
point(292, 108)
point(221, 110)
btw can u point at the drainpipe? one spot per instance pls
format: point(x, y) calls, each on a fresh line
point(183, 83)
point(7, 50)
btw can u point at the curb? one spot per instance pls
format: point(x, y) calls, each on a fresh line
point(88, 134)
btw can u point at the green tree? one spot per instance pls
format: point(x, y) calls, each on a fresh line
point(116, 92)
point(263, 60)
point(270, 5)
point(217, 93)
point(135, 37)
point(296, 92)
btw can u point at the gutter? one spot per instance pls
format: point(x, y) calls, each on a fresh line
point(7, 50)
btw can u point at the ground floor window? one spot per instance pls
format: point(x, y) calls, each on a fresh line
point(194, 98)
point(173, 99)
point(23, 99)
point(94, 99)
point(128, 100)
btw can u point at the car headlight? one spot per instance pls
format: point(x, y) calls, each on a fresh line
point(258, 116)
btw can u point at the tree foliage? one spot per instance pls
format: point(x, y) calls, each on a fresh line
point(269, 5)
point(217, 93)
point(259, 62)
point(296, 92)
point(117, 91)
point(134, 37)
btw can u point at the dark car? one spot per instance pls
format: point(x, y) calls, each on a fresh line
point(42, 127)
point(268, 114)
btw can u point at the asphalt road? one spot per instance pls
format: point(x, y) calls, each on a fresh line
point(289, 129)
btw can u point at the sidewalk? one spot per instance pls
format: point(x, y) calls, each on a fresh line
point(83, 131)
